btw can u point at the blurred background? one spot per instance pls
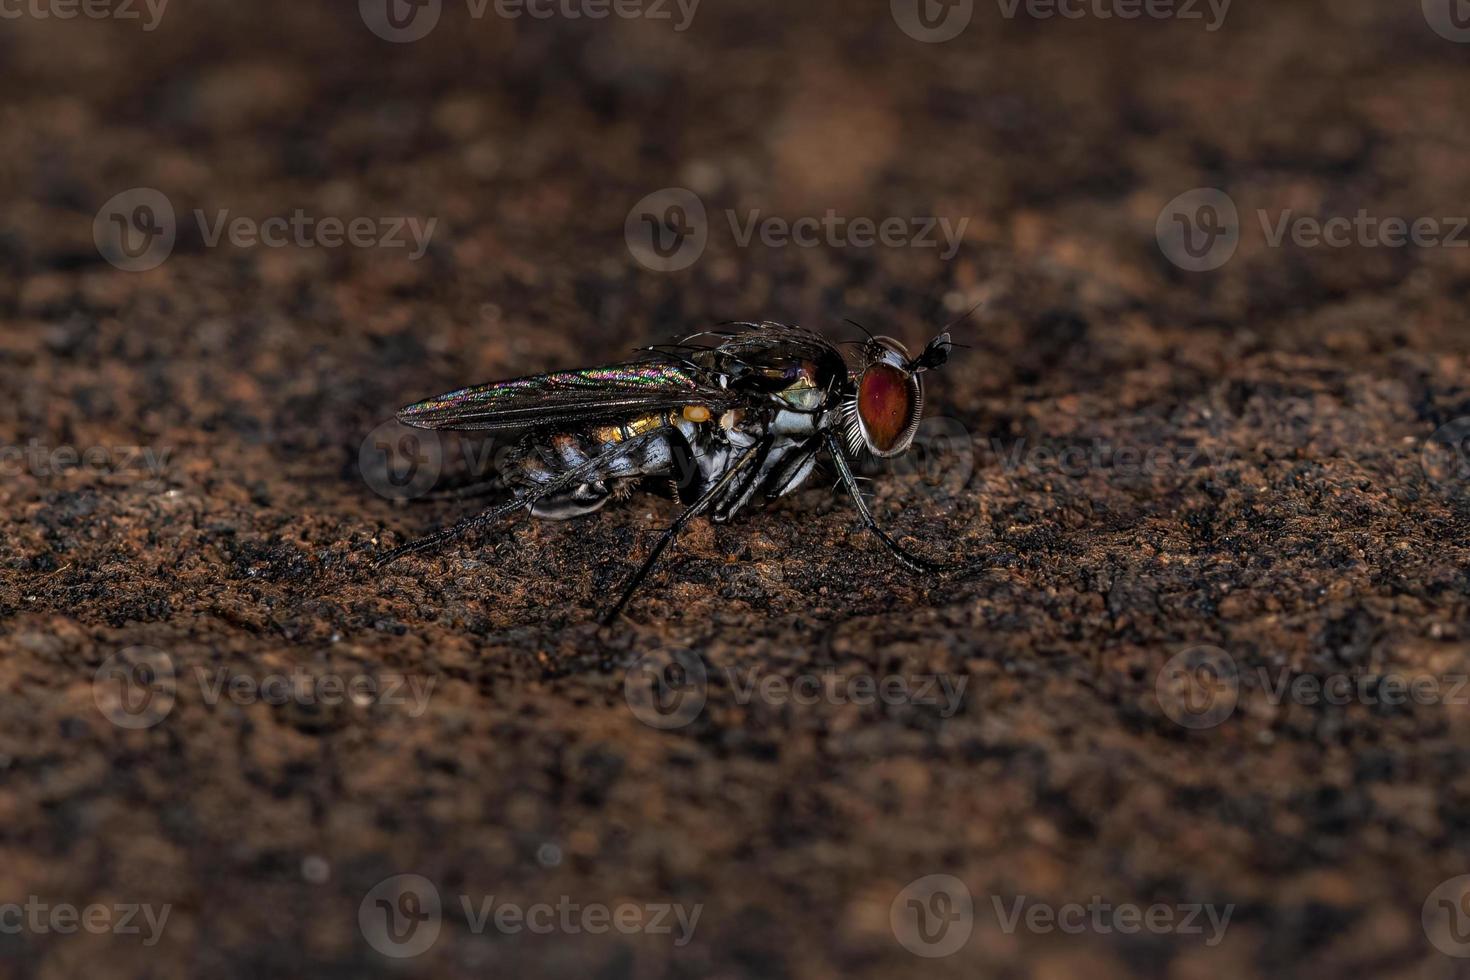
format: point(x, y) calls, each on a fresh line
point(243, 234)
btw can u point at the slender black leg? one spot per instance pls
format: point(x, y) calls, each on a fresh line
point(706, 500)
point(453, 531)
point(733, 500)
point(570, 478)
point(467, 492)
point(909, 560)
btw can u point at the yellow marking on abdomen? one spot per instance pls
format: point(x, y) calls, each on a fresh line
point(628, 430)
point(645, 424)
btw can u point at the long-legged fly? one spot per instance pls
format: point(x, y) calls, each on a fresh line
point(727, 415)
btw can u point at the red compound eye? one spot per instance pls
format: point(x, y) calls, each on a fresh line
point(885, 403)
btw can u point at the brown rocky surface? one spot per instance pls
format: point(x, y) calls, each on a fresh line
point(1163, 461)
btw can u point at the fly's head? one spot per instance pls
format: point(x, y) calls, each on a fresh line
point(882, 415)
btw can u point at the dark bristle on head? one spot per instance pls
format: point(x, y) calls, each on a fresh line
point(935, 353)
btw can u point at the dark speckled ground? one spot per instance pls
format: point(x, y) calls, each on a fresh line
point(1293, 514)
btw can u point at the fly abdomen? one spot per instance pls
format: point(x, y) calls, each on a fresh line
point(547, 458)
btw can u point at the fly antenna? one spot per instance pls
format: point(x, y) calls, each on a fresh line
point(962, 318)
point(849, 320)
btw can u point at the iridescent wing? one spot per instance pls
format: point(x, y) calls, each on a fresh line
point(565, 398)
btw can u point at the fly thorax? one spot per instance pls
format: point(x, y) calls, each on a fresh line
point(789, 423)
point(740, 439)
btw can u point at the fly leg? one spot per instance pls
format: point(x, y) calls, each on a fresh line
point(564, 481)
point(906, 558)
point(467, 492)
point(705, 501)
